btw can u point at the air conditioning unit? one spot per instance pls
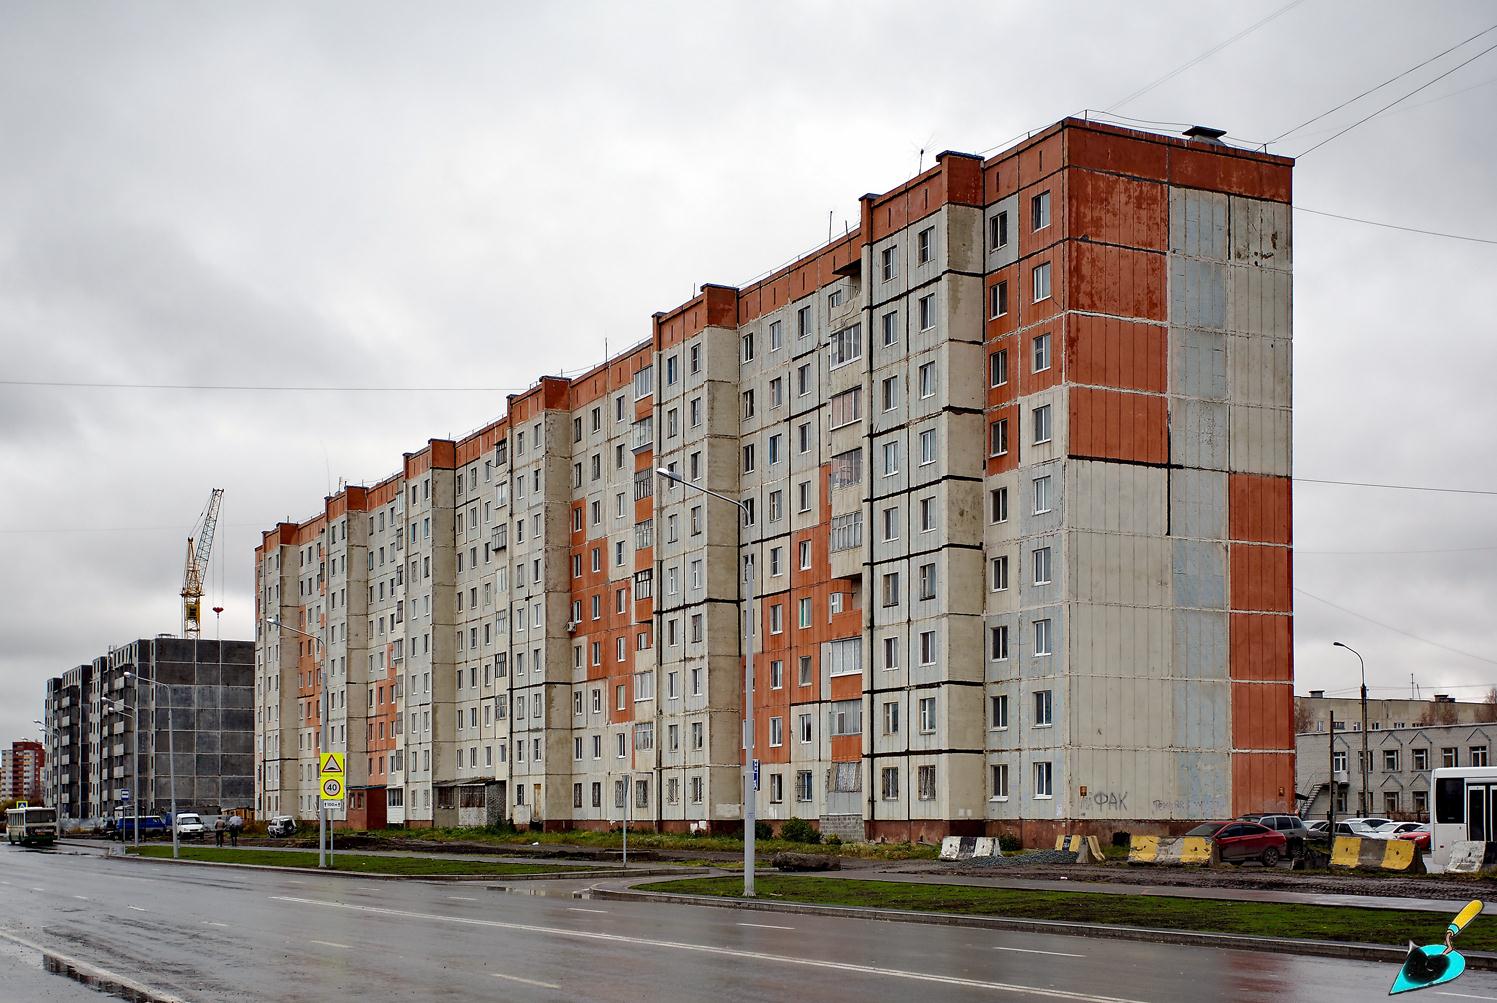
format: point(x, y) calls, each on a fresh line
point(572, 626)
point(1341, 776)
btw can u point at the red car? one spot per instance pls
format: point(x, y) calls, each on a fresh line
point(1239, 841)
point(1419, 837)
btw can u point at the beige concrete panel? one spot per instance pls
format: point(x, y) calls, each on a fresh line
point(1121, 783)
point(879, 289)
point(884, 548)
point(888, 480)
point(1261, 442)
point(1198, 293)
point(995, 533)
point(1104, 497)
point(1113, 712)
point(1029, 450)
point(1198, 504)
point(1003, 600)
point(1198, 223)
point(996, 256)
point(1261, 233)
point(720, 359)
point(964, 251)
point(1198, 363)
point(1121, 641)
point(1261, 371)
point(1132, 570)
point(1198, 433)
point(1031, 592)
point(1261, 301)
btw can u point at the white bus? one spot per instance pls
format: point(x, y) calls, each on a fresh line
point(31, 826)
point(1465, 808)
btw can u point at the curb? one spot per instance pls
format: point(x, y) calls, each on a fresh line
point(1476, 960)
point(581, 871)
point(93, 976)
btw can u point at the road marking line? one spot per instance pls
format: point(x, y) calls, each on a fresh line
point(462, 898)
point(1467, 996)
point(728, 952)
point(38, 889)
point(1030, 950)
point(329, 943)
point(528, 982)
point(136, 908)
point(214, 923)
point(81, 898)
point(766, 926)
point(600, 912)
point(94, 972)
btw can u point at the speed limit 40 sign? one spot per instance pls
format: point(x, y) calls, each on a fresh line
point(332, 789)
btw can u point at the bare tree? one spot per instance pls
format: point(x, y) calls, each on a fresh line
point(1304, 718)
point(1487, 711)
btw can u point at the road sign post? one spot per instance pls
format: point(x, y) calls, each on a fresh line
point(332, 776)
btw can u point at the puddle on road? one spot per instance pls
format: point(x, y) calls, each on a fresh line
point(528, 889)
point(45, 961)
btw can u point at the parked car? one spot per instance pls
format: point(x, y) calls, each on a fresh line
point(281, 826)
point(1399, 828)
point(190, 825)
point(1296, 833)
point(151, 826)
point(1419, 836)
point(1317, 826)
point(1237, 841)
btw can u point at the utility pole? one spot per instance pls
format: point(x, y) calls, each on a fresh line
point(1330, 812)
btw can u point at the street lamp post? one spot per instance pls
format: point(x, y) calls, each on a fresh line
point(746, 585)
point(1363, 665)
point(53, 737)
point(324, 845)
point(119, 706)
point(171, 753)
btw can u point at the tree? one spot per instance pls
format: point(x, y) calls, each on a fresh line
point(1304, 718)
point(1486, 711)
point(1438, 713)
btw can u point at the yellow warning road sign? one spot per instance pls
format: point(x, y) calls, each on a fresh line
point(330, 763)
point(331, 773)
point(332, 789)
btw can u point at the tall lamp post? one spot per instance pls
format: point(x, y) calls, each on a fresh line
point(1363, 665)
point(322, 840)
point(53, 738)
point(746, 586)
point(119, 707)
point(171, 752)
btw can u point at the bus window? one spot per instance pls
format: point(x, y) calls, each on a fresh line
point(1476, 814)
point(1450, 800)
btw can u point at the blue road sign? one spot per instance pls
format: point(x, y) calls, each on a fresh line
point(756, 774)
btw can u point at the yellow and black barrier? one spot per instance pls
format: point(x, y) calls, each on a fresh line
point(1356, 852)
point(1086, 848)
point(1171, 850)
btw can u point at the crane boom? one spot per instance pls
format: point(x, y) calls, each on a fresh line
point(196, 566)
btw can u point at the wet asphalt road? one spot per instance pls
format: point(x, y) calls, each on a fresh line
point(219, 934)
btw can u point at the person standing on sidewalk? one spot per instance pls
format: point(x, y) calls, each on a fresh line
point(236, 822)
point(218, 831)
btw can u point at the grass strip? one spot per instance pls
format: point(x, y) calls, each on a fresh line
point(363, 863)
point(1272, 920)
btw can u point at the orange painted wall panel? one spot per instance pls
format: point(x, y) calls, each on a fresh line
point(1237, 175)
point(1262, 647)
point(1107, 424)
point(1111, 352)
point(1257, 779)
point(1117, 210)
point(1087, 147)
point(1262, 715)
point(1261, 578)
point(1116, 280)
point(1259, 508)
point(847, 748)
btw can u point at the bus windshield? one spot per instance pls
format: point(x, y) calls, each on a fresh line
point(41, 814)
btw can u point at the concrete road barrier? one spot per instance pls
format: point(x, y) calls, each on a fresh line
point(1470, 857)
point(967, 847)
point(1086, 848)
point(1166, 850)
point(1356, 852)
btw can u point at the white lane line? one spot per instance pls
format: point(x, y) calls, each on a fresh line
point(215, 923)
point(81, 898)
point(766, 926)
point(600, 912)
point(462, 898)
point(1467, 996)
point(38, 889)
point(728, 952)
point(329, 943)
point(1030, 950)
point(136, 908)
point(528, 982)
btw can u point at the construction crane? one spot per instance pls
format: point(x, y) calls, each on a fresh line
point(197, 566)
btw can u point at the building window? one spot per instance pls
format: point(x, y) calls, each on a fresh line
point(803, 785)
point(847, 407)
point(889, 264)
point(998, 573)
point(998, 368)
point(1041, 353)
point(924, 245)
point(1390, 760)
point(927, 715)
point(998, 437)
point(776, 335)
point(1042, 637)
point(776, 732)
point(1043, 709)
point(927, 647)
point(1042, 566)
point(998, 231)
point(927, 306)
point(997, 300)
point(1041, 275)
point(889, 783)
point(891, 718)
point(1039, 211)
point(1000, 781)
point(889, 324)
point(927, 380)
point(1421, 759)
point(998, 642)
point(1041, 494)
point(846, 345)
point(1448, 758)
point(928, 446)
point(1042, 424)
point(1478, 755)
point(1042, 778)
point(927, 581)
point(998, 712)
point(926, 783)
point(1421, 803)
point(1338, 760)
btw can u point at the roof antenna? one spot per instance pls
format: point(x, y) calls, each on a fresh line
point(829, 225)
point(920, 163)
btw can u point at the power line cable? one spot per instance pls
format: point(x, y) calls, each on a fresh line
point(1206, 55)
point(1396, 630)
point(1394, 226)
point(1400, 100)
point(1392, 553)
point(1380, 86)
point(247, 387)
point(1394, 487)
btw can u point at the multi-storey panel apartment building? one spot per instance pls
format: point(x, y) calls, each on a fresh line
point(21, 768)
point(1013, 463)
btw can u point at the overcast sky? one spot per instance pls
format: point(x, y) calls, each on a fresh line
point(470, 195)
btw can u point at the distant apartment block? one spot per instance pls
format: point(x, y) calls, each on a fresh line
point(1313, 713)
point(21, 771)
point(196, 726)
point(1398, 766)
point(1016, 457)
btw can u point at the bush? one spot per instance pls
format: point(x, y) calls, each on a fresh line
point(798, 830)
point(763, 830)
point(1121, 838)
point(1009, 843)
point(833, 840)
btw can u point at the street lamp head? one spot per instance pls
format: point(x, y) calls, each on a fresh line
point(665, 473)
point(1337, 644)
